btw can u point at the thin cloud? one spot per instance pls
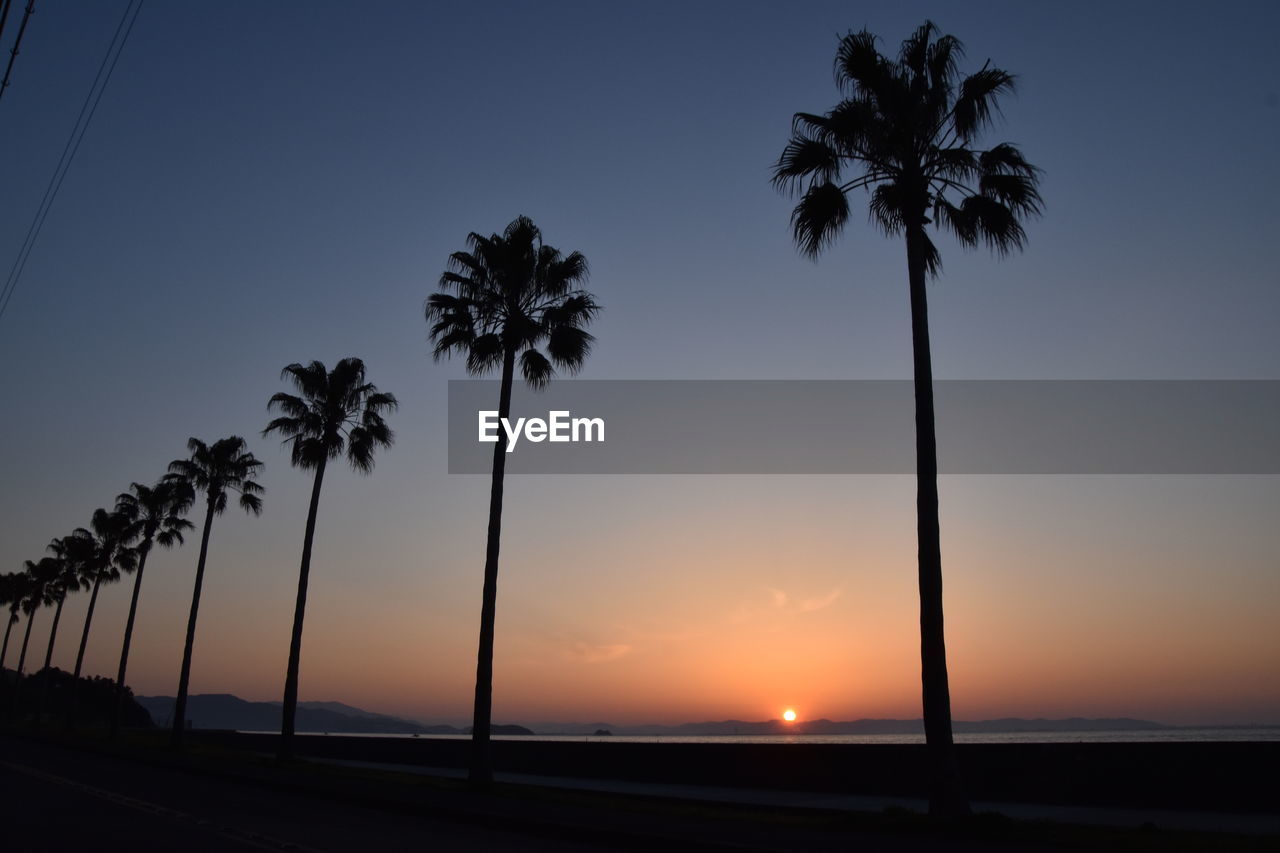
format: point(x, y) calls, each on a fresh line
point(582, 652)
point(810, 605)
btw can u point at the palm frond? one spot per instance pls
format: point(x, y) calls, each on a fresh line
point(484, 354)
point(978, 101)
point(819, 217)
point(249, 503)
point(858, 63)
point(806, 158)
point(536, 369)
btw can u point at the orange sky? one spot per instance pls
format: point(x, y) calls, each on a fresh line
point(651, 599)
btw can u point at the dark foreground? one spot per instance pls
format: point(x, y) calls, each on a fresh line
point(77, 794)
point(1220, 777)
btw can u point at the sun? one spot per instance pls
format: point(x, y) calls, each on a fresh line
point(789, 715)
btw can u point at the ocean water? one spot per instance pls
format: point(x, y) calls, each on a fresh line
point(1170, 735)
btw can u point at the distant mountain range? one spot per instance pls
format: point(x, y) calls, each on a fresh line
point(225, 711)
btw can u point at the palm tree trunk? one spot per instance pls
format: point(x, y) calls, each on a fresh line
point(48, 659)
point(184, 680)
point(946, 794)
point(481, 773)
point(290, 709)
point(88, 620)
point(53, 632)
point(84, 641)
point(128, 638)
point(26, 638)
point(4, 653)
point(16, 709)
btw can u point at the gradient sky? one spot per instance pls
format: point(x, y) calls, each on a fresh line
point(268, 183)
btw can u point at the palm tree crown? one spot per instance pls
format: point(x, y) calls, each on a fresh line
point(70, 552)
point(104, 547)
point(10, 589)
point(222, 467)
point(336, 410)
point(905, 132)
point(155, 513)
point(510, 293)
point(13, 591)
point(42, 580)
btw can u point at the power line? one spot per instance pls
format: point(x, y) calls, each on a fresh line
point(13, 54)
point(4, 14)
point(69, 150)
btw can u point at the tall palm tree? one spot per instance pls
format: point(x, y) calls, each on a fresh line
point(906, 133)
point(70, 552)
point(215, 469)
point(41, 576)
point(12, 593)
point(155, 515)
point(107, 555)
point(500, 300)
point(334, 410)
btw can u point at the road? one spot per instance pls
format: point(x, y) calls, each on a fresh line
point(58, 799)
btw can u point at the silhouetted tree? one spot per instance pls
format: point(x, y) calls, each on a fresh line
point(334, 410)
point(215, 469)
point(12, 592)
point(41, 576)
point(155, 516)
point(905, 133)
point(501, 299)
point(70, 552)
point(107, 554)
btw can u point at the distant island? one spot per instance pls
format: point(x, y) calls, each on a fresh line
point(225, 711)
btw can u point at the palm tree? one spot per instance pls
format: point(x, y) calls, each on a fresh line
point(905, 132)
point(70, 552)
point(216, 469)
point(501, 299)
point(12, 592)
point(336, 410)
point(107, 554)
point(41, 576)
point(155, 516)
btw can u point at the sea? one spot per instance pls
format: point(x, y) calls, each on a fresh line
point(1167, 735)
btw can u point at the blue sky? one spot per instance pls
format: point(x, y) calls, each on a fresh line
point(267, 183)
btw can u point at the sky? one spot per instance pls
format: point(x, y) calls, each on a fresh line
point(270, 183)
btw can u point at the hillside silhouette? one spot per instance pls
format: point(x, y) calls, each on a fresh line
point(225, 711)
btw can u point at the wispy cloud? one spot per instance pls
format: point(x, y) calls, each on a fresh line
point(583, 652)
point(782, 601)
point(809, 605)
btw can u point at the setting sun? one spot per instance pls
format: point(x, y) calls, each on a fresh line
point(789, 715)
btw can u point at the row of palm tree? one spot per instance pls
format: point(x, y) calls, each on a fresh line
point(335, 411)
point(905, 133)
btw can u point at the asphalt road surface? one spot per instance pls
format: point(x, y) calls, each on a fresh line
point(57, 799)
